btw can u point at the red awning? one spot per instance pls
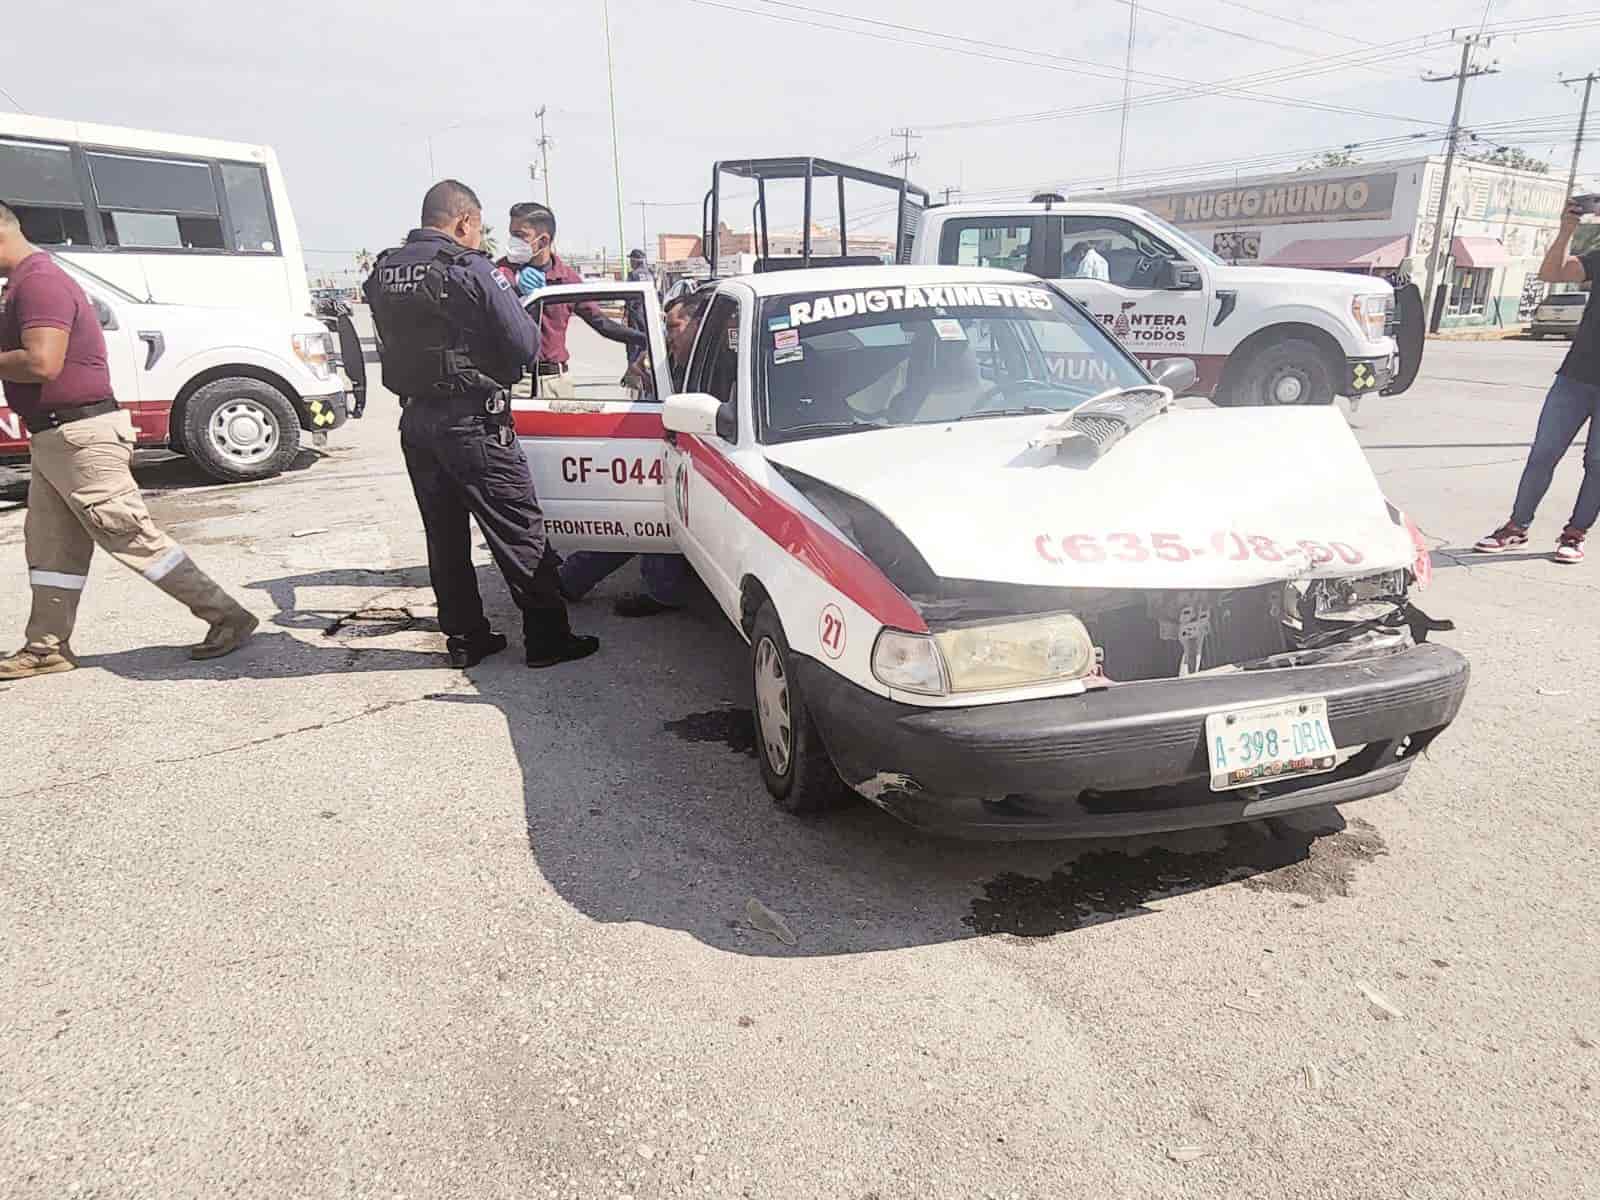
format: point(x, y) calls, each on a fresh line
point(1351, 254)
point(1478, 252)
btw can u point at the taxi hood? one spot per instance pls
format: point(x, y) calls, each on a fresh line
point(1191, 499)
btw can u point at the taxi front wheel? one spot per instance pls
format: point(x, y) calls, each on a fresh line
point(794, 764)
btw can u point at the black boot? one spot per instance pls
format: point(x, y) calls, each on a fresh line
point(566, 647)
point(641, 604)
point(470, 651)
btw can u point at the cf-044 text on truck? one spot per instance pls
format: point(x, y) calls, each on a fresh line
point(1256, 335)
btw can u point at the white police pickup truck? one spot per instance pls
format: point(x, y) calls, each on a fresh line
point(993, 599)
point(1256, 335)
point(230, 388)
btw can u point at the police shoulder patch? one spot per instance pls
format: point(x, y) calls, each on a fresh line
point(501, 282)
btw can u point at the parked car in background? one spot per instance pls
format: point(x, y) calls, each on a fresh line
point(1558, 314)
point(230, 388)
point(188, 248)
point(1256, 335)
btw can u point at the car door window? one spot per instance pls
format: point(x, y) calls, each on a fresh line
point(1113, 251)
point(987, 242)
point(597, 367)
point(714, 365)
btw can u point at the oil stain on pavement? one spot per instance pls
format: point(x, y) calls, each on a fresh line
point(734, 728)
point(1105, 884)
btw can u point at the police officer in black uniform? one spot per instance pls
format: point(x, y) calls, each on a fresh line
point(454, 339)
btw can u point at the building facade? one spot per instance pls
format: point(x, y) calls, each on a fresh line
point(1378, 218)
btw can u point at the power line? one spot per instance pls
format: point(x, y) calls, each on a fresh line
point(15, 103)
point(1082, 66)
point(1230, 87)
point(1171, 16)
point(1261, 12)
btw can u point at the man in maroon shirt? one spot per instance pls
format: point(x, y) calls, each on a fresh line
point(81, 492)
point(535, 225)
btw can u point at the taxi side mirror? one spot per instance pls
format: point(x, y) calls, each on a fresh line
point(691, 412)
point(1176, 373)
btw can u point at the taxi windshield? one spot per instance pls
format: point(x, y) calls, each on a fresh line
point(837, 362)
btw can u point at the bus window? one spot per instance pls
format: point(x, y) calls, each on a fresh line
point(155, 203)
point(37, 183)
point(245, 186)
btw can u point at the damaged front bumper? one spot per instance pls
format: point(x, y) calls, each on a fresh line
point(1128, 759)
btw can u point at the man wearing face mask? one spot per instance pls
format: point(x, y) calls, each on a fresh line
point(534, 225)
point(454, 339)
point(516, 264)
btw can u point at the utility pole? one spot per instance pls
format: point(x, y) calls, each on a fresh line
point(544, 154)
point(948, 192)
point(1467, 71)
point(616, 154)
point(1583, 119)
point(644, 228)
point(906, 158)
point(1127, 89)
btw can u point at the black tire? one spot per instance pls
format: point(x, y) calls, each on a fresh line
point(220, 447)
point(1262, 379)
point(807, 783)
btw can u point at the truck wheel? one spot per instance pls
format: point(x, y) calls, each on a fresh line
point(240, 428)
point(1293, 371)
point(794, 765)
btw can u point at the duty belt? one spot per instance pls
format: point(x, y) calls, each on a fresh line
point(55, 418)
point(550, 368)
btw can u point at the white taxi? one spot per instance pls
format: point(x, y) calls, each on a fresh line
point(997, 602)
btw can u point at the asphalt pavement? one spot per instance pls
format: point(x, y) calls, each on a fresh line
point(326, 918)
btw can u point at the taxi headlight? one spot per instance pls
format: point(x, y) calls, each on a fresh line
point(1034, 650)
point(1371, 313)
point(316, 351)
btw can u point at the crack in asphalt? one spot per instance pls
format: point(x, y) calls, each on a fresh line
point(371, 711)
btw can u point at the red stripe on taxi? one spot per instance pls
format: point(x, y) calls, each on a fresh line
point(541, 423)
point(824, 554)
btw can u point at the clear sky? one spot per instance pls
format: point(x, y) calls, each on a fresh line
point(349, 92)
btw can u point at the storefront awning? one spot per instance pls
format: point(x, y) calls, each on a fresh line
point(1350, 254)
point(1478, 252)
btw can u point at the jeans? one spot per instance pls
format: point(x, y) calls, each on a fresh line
point(1566, 407)
point(664, 575)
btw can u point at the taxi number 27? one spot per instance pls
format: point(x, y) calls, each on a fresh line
point(620, 471)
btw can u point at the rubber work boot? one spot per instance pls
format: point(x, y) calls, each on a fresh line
point(231, 623)
point(26, 663)
point(470, 651)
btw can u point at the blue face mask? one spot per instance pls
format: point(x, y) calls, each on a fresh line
point(518, 252)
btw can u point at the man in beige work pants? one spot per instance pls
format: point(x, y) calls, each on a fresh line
point(81, 493)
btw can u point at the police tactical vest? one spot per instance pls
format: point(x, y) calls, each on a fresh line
point(425, 352)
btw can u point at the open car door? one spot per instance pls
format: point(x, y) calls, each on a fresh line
point(592, 434)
